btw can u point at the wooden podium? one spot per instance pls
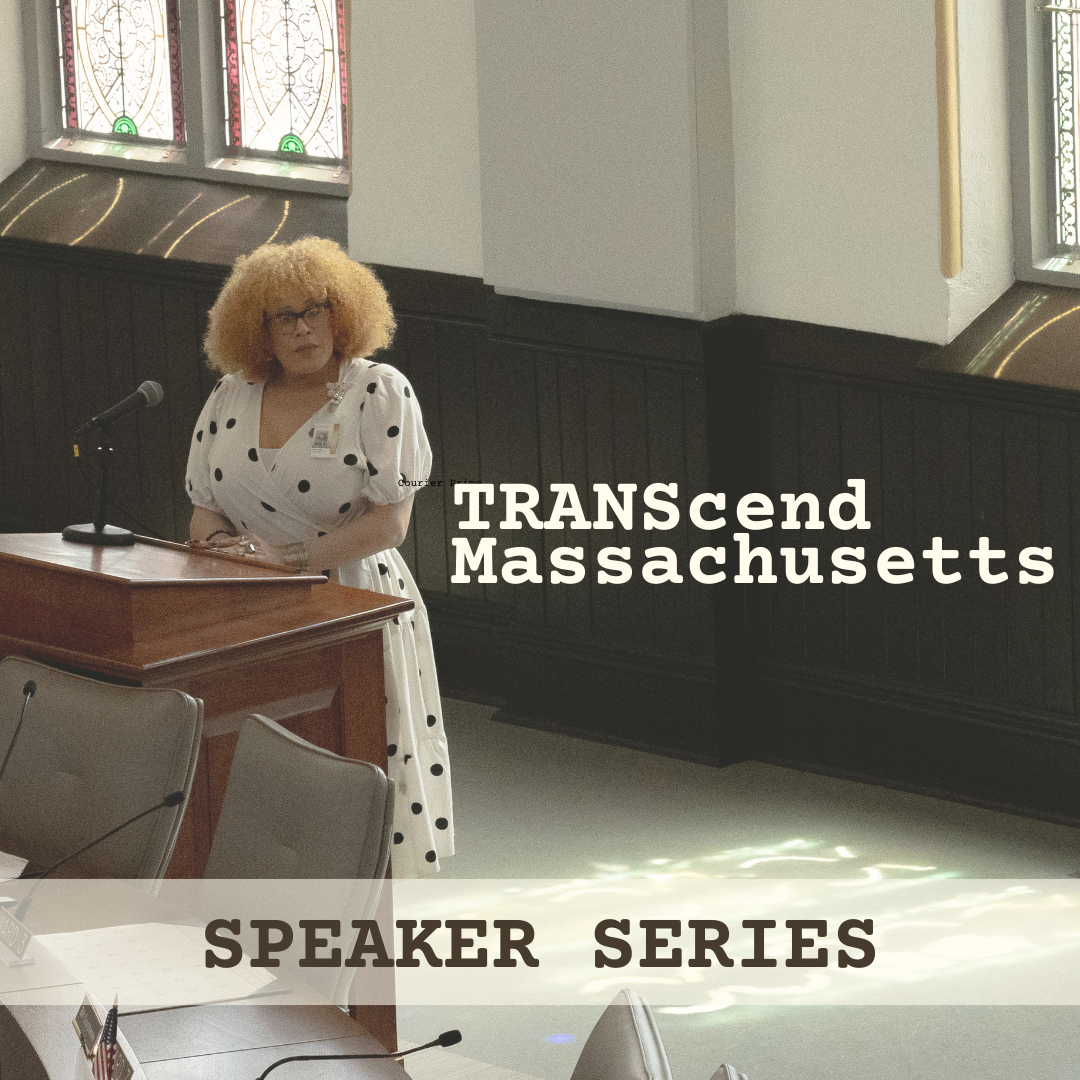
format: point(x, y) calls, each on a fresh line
point(244, 637)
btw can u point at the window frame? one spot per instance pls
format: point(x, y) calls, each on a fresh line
point(1032, 141)
point(205, 155)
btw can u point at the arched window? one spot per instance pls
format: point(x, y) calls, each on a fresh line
point(120, 67)
point(284, 69)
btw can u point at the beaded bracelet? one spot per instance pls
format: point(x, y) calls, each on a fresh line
point(295, 556)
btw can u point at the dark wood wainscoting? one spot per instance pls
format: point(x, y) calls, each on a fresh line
point(524, 392)
point(966, 689)
point(84, 328)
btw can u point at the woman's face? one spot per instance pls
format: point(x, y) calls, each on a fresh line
point(301, 332)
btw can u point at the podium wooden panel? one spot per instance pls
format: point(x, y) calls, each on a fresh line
point(237, 634)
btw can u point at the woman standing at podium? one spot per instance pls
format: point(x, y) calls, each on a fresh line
point(307, 454)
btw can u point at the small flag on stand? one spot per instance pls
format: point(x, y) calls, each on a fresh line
point(105, 1057)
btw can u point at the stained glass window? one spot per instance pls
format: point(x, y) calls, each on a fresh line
point(1065, 43)
point(120, 67)
point(284, 69)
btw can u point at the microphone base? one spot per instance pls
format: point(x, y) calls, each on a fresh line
point(107, 536)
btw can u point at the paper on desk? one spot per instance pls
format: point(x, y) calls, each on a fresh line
point(11, 866)
point(151, 966)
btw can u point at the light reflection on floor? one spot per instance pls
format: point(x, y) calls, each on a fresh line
point(532, 804)
point(776, 861)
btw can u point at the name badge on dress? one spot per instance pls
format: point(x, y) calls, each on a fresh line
point(324, 440)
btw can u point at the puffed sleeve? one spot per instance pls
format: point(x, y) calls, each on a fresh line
point(198, 467)
point(392, 436)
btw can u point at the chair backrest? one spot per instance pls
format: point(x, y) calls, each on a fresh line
point(293, 810)
point(624, 1044)
point(89, 756)
point(727, 1072)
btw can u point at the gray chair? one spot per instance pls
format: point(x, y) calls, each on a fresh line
point(89, 756)
point(626, 1045)
point(727, 1072)
point(293, 810)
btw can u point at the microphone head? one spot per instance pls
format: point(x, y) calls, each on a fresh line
point(152, 392)
point(30, 689)
point(175, 799)
point(450, 1038)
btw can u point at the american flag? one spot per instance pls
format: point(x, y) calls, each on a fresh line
point(106, 1049)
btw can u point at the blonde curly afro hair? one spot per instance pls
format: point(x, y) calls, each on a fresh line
point(238, 338)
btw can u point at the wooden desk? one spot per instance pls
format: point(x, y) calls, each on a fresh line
point(226, 1041)
point(234, 1041)
point(207, 1042)
point(235, 634)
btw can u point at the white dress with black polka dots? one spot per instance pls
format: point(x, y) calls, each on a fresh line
point(380, 441)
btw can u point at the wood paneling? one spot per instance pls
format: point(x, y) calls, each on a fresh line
point(967, 689)
point(957, 689)
point(524, 392)
point(935, 464)
point(94, 325)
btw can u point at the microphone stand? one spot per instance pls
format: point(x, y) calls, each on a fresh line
point(175, 799)
point(447, 1038)
point(98, 532)
point(28, 690)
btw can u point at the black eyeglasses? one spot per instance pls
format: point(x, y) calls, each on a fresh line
point(313, 317)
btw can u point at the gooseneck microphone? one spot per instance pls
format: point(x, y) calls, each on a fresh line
point(97, 532)
point(29, 690)
point(149, 393)
point(175, 798)
point(447, 1038)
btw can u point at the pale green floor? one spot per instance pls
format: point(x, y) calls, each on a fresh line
point(529, 803)
point(532, 804)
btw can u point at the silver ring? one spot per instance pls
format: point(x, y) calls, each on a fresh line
point(251, 548)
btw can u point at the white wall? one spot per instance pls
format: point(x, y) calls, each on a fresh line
point(589, 150)
point(715, 158)
point(601, 152)
point(984, 163)
point(837, 207)
point(413, 139)
point(12, 89)
point(835, 117)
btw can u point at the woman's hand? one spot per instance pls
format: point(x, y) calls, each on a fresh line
point(210, 530)
point(251, 547)
point(206, 525)
point(378, 529)
point(264, 552)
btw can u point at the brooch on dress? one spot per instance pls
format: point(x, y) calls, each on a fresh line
point(336, 391)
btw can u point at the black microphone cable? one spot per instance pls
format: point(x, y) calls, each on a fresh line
point(113, 503)
point(447, 1038)
point(174, 798)
point(30, 689)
